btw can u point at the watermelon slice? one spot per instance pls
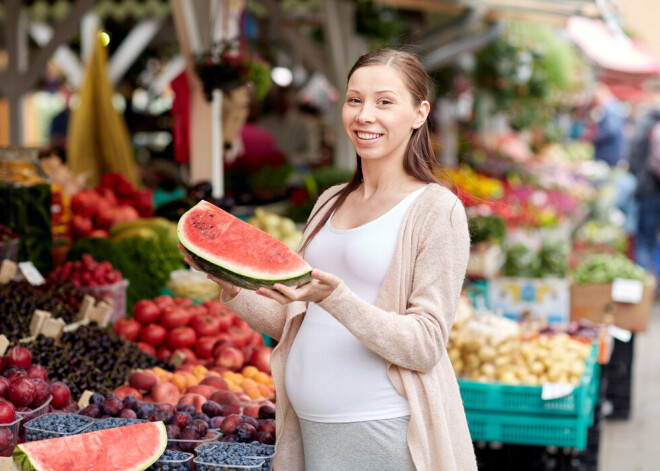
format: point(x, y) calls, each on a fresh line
point(127, 448)
point(227, 248)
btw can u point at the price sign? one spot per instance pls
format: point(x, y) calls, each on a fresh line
point(627, 291)
point(7, 271)
point(555, 390)
point(4, 343)
point(620, 334)
point(31, 274)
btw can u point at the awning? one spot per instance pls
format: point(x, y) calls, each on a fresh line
point(622, 55)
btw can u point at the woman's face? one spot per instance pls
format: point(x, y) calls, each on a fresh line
point(379, 114)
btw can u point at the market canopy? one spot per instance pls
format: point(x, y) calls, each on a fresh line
point(542, 11)
point(609, 51)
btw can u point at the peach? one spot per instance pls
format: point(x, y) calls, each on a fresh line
point(216, 382)
point(199, 371)
point(166, 392)
point(195, 399)
point(125, 390)
point(142, 380)
point(179, 381)
point(188, 367)
point(191, 379)
point(202, 389)
point(230, 357)
point(251, 410)
point(219, 369)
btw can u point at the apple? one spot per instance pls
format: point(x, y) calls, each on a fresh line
point(197, 400)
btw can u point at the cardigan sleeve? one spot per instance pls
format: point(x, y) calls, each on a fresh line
point(263, 314)
point(418, 339)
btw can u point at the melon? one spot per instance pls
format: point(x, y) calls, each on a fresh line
point(230, 249)
point(127, 448)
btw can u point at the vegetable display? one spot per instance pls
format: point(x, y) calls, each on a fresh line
point(604, 268)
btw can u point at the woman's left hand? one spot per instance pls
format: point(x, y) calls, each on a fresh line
point(317, 290)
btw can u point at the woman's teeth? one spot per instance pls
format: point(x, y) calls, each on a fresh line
point(367, 135)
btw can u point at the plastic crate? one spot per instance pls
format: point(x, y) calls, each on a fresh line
point(531, 429)
point(497, 397)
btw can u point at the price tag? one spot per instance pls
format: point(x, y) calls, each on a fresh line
point(37, 322)
point(53, 328)
point(84, 398)
point(620, 334)
point(177, 359)
point(555, 390)
point(7, 271)
point(86, 307)
point(31, 274)
point(627, 291)
point(4, 343)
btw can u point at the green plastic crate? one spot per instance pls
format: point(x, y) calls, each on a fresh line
point(497, 397)
point(531, 429)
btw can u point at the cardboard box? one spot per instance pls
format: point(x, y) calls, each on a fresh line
point(548, 297)
point(594, 302)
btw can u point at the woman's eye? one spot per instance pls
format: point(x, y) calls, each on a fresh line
point(353, 100)
point(385, 102)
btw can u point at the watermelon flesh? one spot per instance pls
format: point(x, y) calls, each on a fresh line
point(230, 249)
point(128, 448)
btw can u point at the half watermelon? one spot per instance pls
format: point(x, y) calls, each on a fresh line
point(230, 249)
point(127, 448)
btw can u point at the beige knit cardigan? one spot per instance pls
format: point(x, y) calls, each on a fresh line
point(408, 325)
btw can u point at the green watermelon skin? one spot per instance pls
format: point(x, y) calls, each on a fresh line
point(240, 280)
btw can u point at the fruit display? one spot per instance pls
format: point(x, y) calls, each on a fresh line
point(19, 300)
point(114, 201)
point(192, 284)
point(132, 447)
point(490, 348)
point(86, 272)
point(172, 460)
point(50, 426)
point(232, 454)
point(91, 358)
point(280, 227)
point(222, 245)
point(201, 332)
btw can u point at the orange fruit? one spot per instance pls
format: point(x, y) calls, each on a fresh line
point(191, 379)
point(179, 381)
point(253, 392)
point(262, 378)
point(250, 371)
point(200, 371)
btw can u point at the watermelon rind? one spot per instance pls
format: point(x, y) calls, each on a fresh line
point(241, 280)
point(232, 272)
point(21, 454)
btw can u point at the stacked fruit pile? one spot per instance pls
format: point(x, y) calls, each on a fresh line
point(207, 333)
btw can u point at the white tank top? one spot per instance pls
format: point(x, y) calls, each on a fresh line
point(330, 375)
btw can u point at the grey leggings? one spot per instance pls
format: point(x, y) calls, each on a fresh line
point(373, 445)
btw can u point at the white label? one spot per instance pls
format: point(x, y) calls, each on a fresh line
point(627, 291)
point(620, 334)
point(31, 273)
point(555, 390)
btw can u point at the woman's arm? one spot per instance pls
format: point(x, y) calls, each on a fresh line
point(263, 314)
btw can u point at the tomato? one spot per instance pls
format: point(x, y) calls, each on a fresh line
point(181, 337)
point(145, 347)
point(183, 302)
point(205, 325)
point(153, 334)
point(163, 301)
point(225, 315)
point(204, 347)
point(197, 310)
point(145, 311)
point(127, 328)
point(173, 316)
point(221, 340)
point(163, 353)
point(239, 336)
point(188, 354)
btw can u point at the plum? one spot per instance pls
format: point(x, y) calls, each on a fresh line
point(22, 391)
point(246, 433)
point(212, 409)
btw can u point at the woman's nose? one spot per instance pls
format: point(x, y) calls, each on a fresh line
point(365, 115)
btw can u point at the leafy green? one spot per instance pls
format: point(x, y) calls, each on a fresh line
point(604, 268)
point(486, 228)
point(141, 285)
point(156, 259)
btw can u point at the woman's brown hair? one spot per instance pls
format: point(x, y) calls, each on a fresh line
point(419, 159)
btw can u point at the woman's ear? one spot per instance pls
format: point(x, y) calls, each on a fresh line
point(422, 113)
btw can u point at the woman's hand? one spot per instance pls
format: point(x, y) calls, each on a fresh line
point(229, 291)
point(315, 291)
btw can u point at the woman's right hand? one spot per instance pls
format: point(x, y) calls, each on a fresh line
point(229, 291)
